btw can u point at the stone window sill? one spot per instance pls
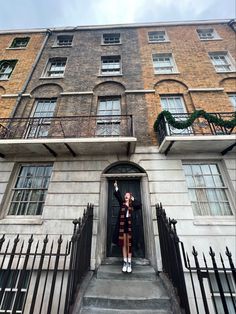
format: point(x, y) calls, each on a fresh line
point(117, 44)
point(227, 72)
point(20, 48)
point(159, 42)
point(21, 220)
point(208, 39)
point(55, 46)
point(109, 75)
point(162, 73)
point(51, 78)
point(215, 221)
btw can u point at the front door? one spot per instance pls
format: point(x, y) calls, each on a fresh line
point(125, 185)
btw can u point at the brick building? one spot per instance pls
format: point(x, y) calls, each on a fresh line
point(101, 90)
point(18, 54)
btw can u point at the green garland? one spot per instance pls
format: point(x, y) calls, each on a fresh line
point(195, 115)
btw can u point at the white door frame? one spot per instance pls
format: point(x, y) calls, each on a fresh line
point(101, 217)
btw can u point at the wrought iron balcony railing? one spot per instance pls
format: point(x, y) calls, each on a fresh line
point(201, 126)
point(66, 127)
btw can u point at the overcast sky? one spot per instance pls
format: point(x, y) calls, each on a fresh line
point(51, 13)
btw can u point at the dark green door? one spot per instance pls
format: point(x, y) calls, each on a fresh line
point(133, 186)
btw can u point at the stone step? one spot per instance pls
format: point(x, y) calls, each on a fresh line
point(123, 294)
point(114, 272)
point(118, 261)
point(95, 310)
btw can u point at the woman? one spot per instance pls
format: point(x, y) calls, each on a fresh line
point(124, 230)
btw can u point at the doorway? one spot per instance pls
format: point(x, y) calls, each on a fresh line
point(125, 185)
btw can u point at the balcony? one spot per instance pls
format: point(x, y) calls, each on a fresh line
point(203, 136)
point(74, 135)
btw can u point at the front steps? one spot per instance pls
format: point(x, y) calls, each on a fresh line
point(112, 292)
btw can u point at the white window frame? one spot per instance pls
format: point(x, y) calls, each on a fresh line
point(166, 39)
point(38, 125)
point(215, 35)
point(56, 44)
point(111, 73)
point(225, 187)
point(216, 294)
point(47, 69)
point(20, 47)
point(111, 125)
point(14, 187)
point(168, 97)
point(14, 289)
point(14, 62)
point(232, 99)
point(172, 65)
point(229, 62)
point(110, 43)
point(184, 110)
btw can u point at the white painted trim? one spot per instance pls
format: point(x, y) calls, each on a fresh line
point(15, 95)
point(214, 221)
point(76, 93)
point(213, 89)
point(21, 220)
point(141, 91)
point(123, 175)
point(27, 95)
point(70, 140)
point(201, 137)
point(10, 95)
point(184, 138)
point(132, 25)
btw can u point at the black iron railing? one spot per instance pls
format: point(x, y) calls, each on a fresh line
point(199, 127)
point(66, 127)
point(217, 278)
point(171, 257)
point(43, 276)
point(212, 287)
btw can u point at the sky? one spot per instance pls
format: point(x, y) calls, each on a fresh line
point(21, 14)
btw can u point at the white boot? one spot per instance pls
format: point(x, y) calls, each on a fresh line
point(129, 266)
point(124, 268)
point(125, 264)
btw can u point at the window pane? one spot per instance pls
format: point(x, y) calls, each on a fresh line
point(232, 98)
point(218, 181)
point(215, 209)
point(211, 195)
point(190, 181)
point(206, 190)
point(204, 209)
point(30, 199)
point(32, 209)
point(209, 182)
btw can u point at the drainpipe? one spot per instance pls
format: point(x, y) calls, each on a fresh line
point(232, 24)
point(48, 33)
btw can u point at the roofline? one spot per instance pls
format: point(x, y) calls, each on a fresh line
point(107, 26)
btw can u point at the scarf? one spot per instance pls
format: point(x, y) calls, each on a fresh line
point(122, 224)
